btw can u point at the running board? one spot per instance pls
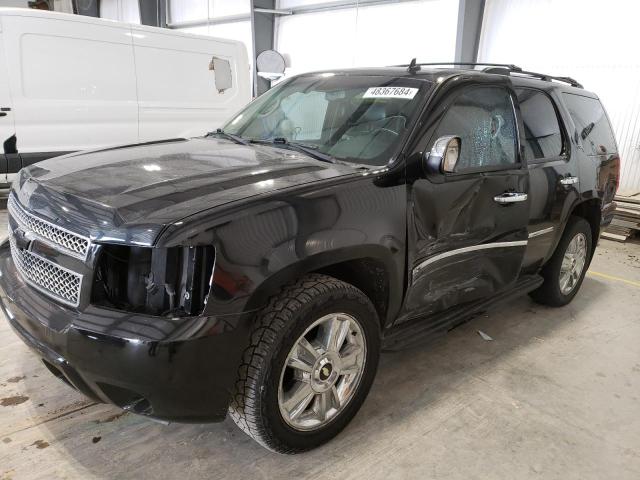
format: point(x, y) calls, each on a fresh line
point(420, 329)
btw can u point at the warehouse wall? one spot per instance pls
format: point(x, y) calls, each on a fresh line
point(368, 35)
point(593, 41)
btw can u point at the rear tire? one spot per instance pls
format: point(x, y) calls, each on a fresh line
point(564, 272)
point(301, 382)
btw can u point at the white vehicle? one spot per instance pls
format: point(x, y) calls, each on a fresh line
point(70, 82)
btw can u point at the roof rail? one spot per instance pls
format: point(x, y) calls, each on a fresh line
point(548, 78)
point(496, 68)
point(511, 67)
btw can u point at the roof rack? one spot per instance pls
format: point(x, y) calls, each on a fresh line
point(545, 77)
point(496, 68)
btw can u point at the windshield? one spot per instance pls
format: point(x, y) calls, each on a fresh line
point(356, 118)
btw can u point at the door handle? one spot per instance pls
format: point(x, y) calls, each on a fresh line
point(569, 180)
point(510, 197)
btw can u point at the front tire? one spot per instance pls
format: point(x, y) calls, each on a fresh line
point(311, 362)
point(564, 272)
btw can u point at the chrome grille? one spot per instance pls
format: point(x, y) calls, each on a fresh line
point(57, 237)
point(51, 279)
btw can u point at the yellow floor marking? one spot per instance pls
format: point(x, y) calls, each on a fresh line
point(611, 277)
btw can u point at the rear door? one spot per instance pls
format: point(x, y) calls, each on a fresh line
point(7, 129)
point(72, 83)
point(553, 173)
point(468, 229)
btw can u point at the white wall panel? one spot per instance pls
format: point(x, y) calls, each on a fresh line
point(367, 36)
point(590, 40)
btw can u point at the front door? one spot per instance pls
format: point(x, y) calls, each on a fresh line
point(468, 229)
point(7, 128)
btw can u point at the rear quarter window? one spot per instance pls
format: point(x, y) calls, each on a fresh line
point(592, 124)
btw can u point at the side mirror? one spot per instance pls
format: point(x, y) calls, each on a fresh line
point(444, 155)
point(222, 73)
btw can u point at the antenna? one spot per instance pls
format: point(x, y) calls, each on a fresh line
point(413, 66)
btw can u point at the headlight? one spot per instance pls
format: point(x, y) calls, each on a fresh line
point(156, 281)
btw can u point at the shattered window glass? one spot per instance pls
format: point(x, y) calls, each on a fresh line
point(483, 119)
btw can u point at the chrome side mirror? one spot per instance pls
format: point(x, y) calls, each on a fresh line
point(444, 155)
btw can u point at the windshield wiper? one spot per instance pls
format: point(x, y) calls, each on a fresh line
point(311, 151)
point(230, 136)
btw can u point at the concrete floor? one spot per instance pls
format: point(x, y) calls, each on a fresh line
point(554, 395)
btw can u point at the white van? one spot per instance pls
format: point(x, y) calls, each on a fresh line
point(70, 82)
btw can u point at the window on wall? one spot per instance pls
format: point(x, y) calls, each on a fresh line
point(542, 135)
point(127, 11)
point(483, 119)
point(351, 37)
point(198, 10)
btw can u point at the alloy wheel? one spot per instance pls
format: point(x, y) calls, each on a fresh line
point(575, 258)
point(322, 372)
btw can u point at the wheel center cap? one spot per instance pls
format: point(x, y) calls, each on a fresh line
point(325, 372)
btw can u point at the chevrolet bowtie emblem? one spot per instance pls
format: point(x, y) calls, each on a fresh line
point(22, 239)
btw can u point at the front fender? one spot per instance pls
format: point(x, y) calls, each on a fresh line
point(262, 244)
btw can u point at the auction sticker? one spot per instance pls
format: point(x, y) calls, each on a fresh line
point(391, 92)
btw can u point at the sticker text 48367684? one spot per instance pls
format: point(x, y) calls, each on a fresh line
point(391, 92)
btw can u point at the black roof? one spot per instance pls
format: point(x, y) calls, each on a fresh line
point(434, 73)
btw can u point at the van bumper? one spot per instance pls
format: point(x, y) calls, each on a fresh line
point(171, 370)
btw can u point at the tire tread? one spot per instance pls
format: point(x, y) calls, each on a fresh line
point(280, 311)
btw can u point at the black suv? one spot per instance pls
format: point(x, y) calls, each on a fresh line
point(261, 269)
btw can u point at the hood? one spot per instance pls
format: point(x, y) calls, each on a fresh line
point(129, 194)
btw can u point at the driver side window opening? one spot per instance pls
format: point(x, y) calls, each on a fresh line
point(484, 119)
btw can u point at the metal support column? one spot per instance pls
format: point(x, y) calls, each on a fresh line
point(263, 14)
point(470, 13)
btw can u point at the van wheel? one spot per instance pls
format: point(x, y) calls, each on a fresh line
point(564, 272)
point(311, 362)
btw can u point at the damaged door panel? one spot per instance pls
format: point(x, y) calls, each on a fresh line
point(468, 228)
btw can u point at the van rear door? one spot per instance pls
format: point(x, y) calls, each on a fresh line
point(72, 84)
point(7, 129)
point(178, 92)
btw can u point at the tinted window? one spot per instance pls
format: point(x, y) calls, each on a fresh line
point(591, 123)
point(483, 119)
point(542, 137)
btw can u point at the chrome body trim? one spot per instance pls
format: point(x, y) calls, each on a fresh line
point(58, 282)
point(569, 180)
point(459, 251)
point(48, 233)
point(543, 231)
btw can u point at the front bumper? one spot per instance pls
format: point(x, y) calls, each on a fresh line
point(172, 370)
